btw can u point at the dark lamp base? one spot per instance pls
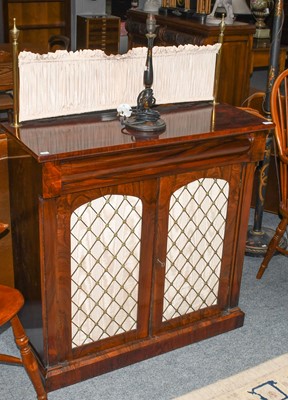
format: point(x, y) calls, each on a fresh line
point(257, 242)
point(133, 124)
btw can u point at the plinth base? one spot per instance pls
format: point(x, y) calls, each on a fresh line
point(257, 242)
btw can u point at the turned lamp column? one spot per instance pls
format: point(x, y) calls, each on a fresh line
point(146, 119)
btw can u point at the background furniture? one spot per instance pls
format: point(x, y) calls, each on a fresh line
point(6, 86)
point(37, 20)
point(58, 42)
point(6, 113)
point(236, 61)
point(98, 33)
point(261, 55)
point(77, 162)
point(86, 7)
point(7, 273)
point(120, 7)
point(59, 17)
point(284, 37)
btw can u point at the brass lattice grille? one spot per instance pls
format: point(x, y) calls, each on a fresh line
point(194, 249)
point(105, 252)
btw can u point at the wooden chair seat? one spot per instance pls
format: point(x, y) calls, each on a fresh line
point(3, 227)
point(11, 302)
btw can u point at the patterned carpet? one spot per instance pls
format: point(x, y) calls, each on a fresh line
point(268, 381)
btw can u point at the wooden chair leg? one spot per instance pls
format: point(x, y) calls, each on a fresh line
point(10, 359)
point(272, 247)
point(29, 362)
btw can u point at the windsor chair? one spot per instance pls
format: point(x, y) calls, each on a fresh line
point(279, 112)
point(11, 302)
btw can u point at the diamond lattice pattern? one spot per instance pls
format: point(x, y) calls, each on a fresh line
point(105, 253)
point(194, 249)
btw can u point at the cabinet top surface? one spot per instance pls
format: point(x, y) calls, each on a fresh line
point(239, 28)
point(102, 133)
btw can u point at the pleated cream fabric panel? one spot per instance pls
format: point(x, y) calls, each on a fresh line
point(105, 253)
point(197, 220)
point(65, 83)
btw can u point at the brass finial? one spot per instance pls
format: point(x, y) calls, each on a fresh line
point(218, 61)
point(222, 28)
point(14, 35)
point(14, 32)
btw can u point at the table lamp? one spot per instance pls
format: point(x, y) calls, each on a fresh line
point(144, 119)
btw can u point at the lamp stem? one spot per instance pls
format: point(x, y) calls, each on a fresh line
point(148, 72)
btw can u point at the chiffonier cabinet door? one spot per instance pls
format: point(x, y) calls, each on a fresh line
point(103, 264)
point(194, 246)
